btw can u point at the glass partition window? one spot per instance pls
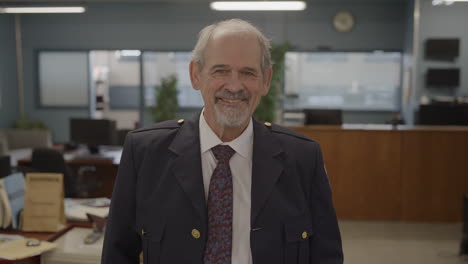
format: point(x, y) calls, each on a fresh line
point(63, 78)
point(158, 65)
point(117, 86)
point(342, 80)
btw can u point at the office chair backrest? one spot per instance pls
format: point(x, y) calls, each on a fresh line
point(5, 166)
point(121, 134)
point(51, 160)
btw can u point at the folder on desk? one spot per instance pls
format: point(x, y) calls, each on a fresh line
point(18, 249)
point(76, 209)
point(43, 204)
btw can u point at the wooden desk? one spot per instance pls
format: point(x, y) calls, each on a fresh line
point(47, 236)
point(408, 173)
point(105, 171)
point(102, 171)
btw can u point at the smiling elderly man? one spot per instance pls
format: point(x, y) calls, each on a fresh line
point(223, 188)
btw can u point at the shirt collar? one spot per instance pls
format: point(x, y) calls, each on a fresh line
point(243, 144)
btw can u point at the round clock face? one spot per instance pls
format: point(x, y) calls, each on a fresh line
point(343, 21)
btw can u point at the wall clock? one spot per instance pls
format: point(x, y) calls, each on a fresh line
point(343, 21)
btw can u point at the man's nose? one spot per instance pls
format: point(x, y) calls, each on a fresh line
point(234, 82)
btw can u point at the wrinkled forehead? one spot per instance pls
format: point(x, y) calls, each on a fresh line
point(234, 42)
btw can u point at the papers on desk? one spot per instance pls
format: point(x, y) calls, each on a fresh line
point(113, 153)
point(76, 209)
point(18, 154)
point(5, 238)
point(17, 249)
point(71, 249)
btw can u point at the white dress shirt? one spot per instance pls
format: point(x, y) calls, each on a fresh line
point(241, 170)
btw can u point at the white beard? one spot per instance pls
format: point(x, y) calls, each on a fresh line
point(231, 116)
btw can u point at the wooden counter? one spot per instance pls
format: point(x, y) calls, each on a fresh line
point(409, 173)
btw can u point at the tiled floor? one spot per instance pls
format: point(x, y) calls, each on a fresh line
point(401, 243)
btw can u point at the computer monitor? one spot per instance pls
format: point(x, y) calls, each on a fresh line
point(444, 78)
point(323, 116)
point(93, 132)
point(444, 49)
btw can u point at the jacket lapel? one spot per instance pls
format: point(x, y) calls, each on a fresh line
point(186, 165)
point(267, 166)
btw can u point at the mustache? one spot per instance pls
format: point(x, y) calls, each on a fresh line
point(241, 95)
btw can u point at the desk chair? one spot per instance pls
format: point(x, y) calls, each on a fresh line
point(51, 160)
point(77, 183)
point(5, 166)
point(121, 134)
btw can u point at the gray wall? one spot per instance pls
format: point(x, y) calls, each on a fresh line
point(8, 90)
point(444, 22)
point(379, 25)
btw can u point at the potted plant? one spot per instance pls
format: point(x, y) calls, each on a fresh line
point(267, 106)
point(166, 103)
point(24, 122)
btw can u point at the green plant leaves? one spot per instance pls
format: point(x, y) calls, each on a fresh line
point(266, 108)
point(166, 100)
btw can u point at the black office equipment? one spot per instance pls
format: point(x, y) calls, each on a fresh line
point(442, 49)
point(5, 166)
point(443, 114)
point(93, 132)
point(443, 78)
point(323, 117)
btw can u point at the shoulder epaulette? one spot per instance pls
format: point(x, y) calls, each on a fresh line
point(169, 124)
point(282, 130)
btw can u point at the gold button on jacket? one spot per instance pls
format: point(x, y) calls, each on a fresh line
point(195, 233)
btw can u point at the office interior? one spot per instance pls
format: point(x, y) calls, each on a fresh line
point(396, 154)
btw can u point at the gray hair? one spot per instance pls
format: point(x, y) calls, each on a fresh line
point(236, 26)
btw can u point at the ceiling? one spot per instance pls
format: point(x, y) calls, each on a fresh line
point(176, 1)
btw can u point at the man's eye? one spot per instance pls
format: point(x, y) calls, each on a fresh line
point(247, 73)
point(221, 71)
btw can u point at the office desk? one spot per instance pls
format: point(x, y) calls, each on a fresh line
point(104, 171)
point(408, 173)
point(100, 170)
point(47, 236)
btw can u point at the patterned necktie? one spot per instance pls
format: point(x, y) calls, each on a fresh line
point(219, 245)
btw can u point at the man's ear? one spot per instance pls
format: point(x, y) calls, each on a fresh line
point(267, 81)
point(195, 75)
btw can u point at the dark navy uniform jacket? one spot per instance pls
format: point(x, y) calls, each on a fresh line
point(158, 205)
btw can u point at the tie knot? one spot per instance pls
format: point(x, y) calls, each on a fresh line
point(223, 153)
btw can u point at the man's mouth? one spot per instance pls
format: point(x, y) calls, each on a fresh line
point(232, 102)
